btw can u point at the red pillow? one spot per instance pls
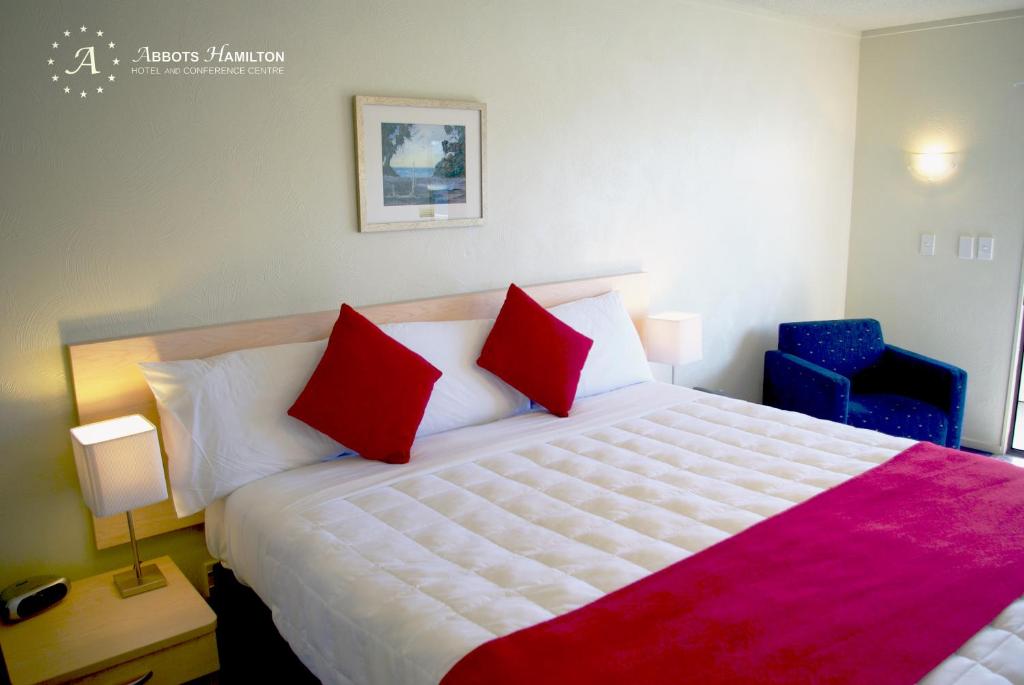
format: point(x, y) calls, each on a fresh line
point(368, 392)
point(535, 353)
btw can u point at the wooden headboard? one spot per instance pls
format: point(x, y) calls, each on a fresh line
point(108, 382)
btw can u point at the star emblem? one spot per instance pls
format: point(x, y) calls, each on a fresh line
point(84, 82)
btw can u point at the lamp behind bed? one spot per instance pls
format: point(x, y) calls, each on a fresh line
point(120, 469)
point(674, 338)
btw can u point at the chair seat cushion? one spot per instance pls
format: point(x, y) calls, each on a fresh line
point(898, 415)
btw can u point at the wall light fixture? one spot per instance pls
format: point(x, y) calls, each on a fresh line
point(932, 166)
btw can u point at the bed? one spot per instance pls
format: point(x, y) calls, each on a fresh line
point(378, 578)
point(378, 574)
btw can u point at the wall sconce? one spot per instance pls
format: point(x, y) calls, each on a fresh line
point(932, 167)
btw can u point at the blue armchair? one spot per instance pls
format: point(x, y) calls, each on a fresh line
point(843, 371)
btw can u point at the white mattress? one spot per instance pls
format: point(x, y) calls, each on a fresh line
point(389, 574)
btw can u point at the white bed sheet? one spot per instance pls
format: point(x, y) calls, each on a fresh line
point(377, 573)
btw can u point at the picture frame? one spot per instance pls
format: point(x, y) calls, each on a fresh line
point(421, 163)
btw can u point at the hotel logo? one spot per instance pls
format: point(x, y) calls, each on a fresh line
point(216, 60)
point(82, 63)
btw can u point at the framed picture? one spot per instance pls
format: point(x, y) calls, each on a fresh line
point(420, 162)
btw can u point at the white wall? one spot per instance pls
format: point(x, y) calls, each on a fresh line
point(945, 86)
point(710, 147)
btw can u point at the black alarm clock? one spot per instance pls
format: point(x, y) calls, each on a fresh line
point(30, 596)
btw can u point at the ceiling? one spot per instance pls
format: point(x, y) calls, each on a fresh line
point(863, 15)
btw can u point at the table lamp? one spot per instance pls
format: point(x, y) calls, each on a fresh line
point(120, 469)
point(674, 338)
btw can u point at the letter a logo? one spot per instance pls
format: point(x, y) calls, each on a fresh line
point(88, 58)
point(82, 80)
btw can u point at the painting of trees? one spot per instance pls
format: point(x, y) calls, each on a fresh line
point(392, 137)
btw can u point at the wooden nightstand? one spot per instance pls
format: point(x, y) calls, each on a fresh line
point(94, 636)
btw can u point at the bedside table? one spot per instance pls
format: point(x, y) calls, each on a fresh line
point(95, 636)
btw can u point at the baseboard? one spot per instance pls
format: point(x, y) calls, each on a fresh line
point(981, 445)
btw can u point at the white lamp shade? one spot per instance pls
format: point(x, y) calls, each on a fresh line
point(119, 465)
point(674, 338)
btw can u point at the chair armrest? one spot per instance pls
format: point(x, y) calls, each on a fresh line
point(928, 380)
point(799, 385)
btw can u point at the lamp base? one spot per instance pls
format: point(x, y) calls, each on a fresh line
point(128, 585)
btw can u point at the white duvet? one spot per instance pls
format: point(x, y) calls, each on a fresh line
point(390, 574)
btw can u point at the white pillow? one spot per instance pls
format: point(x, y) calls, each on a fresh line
point(225, 419)
point(465, 395)
point(617, 358)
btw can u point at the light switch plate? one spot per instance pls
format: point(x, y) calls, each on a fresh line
point(927, 247)
point(986, 248)
point(966, 249)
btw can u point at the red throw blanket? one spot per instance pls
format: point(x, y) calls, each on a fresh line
point(875, 581)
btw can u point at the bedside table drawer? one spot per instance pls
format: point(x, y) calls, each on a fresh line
point(171, 666)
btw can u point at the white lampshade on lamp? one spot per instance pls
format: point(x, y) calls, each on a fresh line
point(674, 338)
point(120, 469)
